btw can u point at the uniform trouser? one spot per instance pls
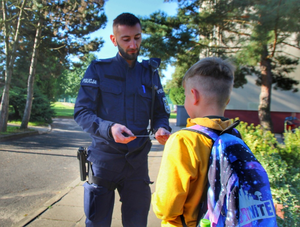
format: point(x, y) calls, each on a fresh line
point(134, 191)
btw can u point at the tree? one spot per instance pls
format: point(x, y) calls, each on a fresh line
point(68, 83)
point(273, 23)
point(58, 30)
point(11, 37)
point(252, 33)
point(27, 110)
point(174, 87)
point(80, 17)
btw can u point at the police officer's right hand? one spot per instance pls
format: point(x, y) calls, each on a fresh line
point(121, 134)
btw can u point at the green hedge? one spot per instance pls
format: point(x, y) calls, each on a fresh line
point(281, 161)
point(41, 107)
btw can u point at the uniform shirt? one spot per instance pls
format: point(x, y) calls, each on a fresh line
point(182, 176)
point(112, 92)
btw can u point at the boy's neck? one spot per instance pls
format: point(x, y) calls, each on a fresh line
point(209, 111)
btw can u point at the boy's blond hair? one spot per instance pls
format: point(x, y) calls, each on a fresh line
point(214, 77)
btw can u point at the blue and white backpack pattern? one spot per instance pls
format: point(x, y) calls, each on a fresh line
point(238, 186)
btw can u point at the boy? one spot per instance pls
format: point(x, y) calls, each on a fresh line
point(182, 177)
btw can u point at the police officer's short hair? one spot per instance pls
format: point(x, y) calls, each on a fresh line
point(126, 19)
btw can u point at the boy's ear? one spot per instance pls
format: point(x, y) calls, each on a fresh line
point(195, 95)
point(113, 39)
point(228, 102)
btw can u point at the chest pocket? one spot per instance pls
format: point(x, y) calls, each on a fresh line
point(112, 105)
point(143, 107)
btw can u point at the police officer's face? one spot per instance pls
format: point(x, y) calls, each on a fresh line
point(128, 39)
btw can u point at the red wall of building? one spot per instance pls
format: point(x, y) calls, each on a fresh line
point(251, 116)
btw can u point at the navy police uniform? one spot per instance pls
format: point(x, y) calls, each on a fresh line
point(112, 92)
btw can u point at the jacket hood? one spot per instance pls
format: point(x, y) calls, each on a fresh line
point(214, 123)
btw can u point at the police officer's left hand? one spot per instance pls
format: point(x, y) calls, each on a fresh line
point(162, 135)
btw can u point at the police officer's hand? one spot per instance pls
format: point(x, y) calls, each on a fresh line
point(118, 132)
point(162, 135)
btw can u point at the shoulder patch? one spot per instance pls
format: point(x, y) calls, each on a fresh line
point(160, 91)
point(89, 82)
point(166, 105)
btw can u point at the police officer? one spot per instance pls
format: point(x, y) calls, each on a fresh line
point(113, 105)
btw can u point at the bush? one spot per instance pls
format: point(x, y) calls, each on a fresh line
point(281, 163)
point(41, 107)
point(177, 95)
point(291, 153)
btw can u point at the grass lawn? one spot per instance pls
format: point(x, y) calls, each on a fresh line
point(14, 129)
point(63, 109)
point(173, 115)
point(29, 123)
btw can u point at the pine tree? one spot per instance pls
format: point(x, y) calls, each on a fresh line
point(254, 34)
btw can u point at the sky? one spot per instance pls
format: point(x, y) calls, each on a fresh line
point(113, 8)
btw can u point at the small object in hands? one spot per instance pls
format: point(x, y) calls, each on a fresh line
point(126, 135)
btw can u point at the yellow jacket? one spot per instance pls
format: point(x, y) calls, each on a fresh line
point(183, 174)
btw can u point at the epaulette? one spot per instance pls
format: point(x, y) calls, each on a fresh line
point(145, 63)
point(107, 60)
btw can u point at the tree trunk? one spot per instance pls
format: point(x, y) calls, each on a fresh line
point(5, 96)
point(31, 77)
point(10, 59)
point(5, 104)
point(264, 112)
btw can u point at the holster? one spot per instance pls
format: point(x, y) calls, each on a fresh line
point(82, 157)
point(87, 171)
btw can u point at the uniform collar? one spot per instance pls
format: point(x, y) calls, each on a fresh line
point(123, 62)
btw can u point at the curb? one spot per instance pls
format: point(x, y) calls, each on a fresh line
point(35, 214)
point(25, 133)
point(18, 135)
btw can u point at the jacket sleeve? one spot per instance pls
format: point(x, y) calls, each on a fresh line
point(177, 170)
point(161, 108)
point(85, 111)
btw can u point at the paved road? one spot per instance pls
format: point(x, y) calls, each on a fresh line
point(34, 169)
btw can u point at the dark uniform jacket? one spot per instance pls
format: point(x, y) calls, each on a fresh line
point(112, 92)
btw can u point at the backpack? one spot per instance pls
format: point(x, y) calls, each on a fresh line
point(238, 186)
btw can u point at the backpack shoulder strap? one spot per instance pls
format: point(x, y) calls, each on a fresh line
point(214, 134)
point(230, 127)
point(208, 132)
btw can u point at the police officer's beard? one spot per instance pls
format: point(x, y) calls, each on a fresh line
point(128, 56)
